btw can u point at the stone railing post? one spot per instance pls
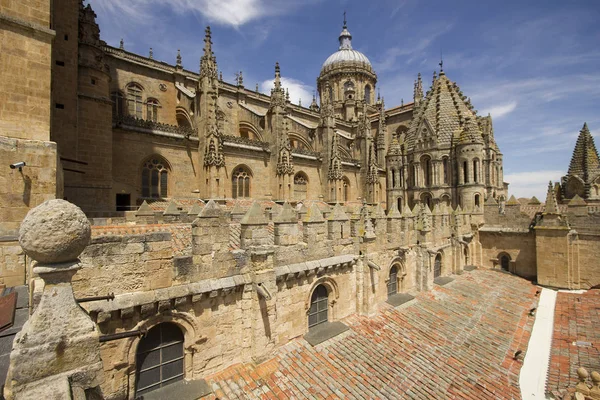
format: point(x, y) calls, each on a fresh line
point(57, 353)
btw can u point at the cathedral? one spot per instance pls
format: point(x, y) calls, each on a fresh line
point(174, 235)
point(162, 132)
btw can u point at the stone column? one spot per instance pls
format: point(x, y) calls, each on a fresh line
point(57, 353)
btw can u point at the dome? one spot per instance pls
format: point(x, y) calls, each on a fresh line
point(345, 53)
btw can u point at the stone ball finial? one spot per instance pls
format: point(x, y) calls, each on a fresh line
point(596, 378)
point(56, 231)
point(582, 374)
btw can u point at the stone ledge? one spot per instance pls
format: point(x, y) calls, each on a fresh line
point(325, 331)
point(443, 280)
point(180, 390)
point(399, 298)
point(282, 271)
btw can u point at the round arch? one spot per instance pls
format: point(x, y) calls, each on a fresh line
point(300, 185)
point(332, 289)
point(153, 173)
point(427, 198)
point(248, 130)
point(504, 260)
point(184, 321)
point(299, 139)
point(241, 178)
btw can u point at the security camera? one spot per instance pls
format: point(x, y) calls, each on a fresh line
point(19, 165)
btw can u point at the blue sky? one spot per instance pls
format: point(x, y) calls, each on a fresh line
point(531, 64)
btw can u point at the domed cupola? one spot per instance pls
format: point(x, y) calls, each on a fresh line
point(347, 76)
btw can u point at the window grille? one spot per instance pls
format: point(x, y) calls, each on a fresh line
point(159, 358)
point(155, 178)
point(134, 100)
point(319, 303)
point(392, 286)
point(240, 184)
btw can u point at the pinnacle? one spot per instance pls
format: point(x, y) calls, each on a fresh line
point(254, 216)
point(585, 162)
point(211, 209)
point(551, 204)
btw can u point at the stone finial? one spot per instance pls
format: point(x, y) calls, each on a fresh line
point(151, 54)
point(178, 58)
point(195, 210)
point(313, 214)
point(238, 209)
point(551, 204)
point(287, 214)
point(172, 210)
point(254, 216)
point(534, 201)
point(121, 44)
point(210, 210)
point(144, 210)
point(56, 231)
point(338, 214)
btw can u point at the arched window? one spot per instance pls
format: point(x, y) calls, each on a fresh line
point(437, 266)
point(240, 183)
point(319, 303)
point(345, 189)
point(300, 186)
point(477, 200)
point(426, 199)
point(476, 170)
point(348, 86)
point(155, 177)
point(117, 106)
point(134, 100)
point(465, 172)
point(368, 94)
point(505, 262)
point(392, 286)
point(399, 203)
point(445, 166)
point(159, 358)
point(393, 178)
point(427, 172)
point(152, 110)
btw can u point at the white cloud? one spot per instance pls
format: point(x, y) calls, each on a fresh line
point(297, 89)
point(500, 110)
point(225, 12)
point(528, 184)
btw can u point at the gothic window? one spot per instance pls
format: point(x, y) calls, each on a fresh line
point(345, 189)
point(368, 94)
point(152, 110)
point(393, 178)
point(300, 186)
point(240, 183)
point(159, 358)
point(117, 106)
point(477, 200)
point(476, 170)
point(155, 178)
point(465, 172)
point(392, 286)
point(319, 302)
point(134, 100)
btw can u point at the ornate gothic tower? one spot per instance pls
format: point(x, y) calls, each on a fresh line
point(213, 180)
point(347, 80)
point(583, 178)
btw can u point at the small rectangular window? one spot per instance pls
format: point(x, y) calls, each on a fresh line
point(66, 37)
point(61, 106)
point(60, 63)
point(93, 80)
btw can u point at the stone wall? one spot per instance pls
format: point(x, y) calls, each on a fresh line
point(239, 303)
point(520, 246)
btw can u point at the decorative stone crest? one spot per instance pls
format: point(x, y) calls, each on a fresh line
point(335, 160)
point(285, 165)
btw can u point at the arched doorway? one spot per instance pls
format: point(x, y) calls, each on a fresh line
point(437, 266)
point(505, 262)
point(319, 302)
point(392, 285)
point(159, 358)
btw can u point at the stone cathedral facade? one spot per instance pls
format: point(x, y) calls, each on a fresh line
point(133, 128)
point(226, 223)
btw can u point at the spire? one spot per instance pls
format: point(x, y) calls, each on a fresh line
point(418, 92)
point(277, 76)
point(208, 61)
point(314, 106)
point(335, 161)
point(585, 162)
point(551, 204)
point(373, 170)
point(345, 37)
point(178, 58)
